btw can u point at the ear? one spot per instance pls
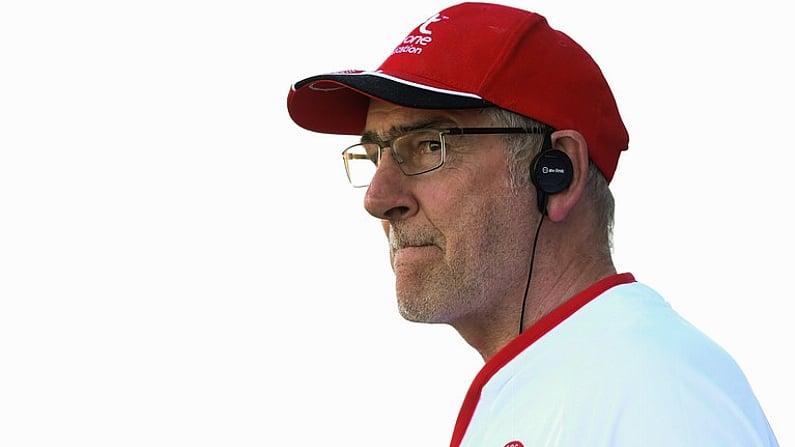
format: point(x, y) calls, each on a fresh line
point(573, 144)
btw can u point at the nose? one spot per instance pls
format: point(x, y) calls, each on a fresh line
point(388, 197)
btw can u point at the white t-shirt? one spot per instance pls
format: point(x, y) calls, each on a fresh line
point(614, 366)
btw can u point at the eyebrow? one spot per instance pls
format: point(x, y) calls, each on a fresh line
point(396, 131)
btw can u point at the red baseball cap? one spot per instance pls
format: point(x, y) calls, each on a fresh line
point(475, 55)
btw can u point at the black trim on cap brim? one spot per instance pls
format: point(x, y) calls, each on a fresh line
point(397, 92)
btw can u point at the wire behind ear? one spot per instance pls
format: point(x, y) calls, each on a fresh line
point(551, 172)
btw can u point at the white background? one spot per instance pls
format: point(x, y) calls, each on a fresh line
point(181, 265)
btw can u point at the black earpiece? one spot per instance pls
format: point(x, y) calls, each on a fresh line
point(551, 172)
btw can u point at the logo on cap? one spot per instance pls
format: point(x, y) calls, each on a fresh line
point(415, 43)
point(424, 27)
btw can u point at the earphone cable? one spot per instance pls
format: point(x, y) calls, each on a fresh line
point(530, 273)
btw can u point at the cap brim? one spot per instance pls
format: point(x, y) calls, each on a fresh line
point(337, 103)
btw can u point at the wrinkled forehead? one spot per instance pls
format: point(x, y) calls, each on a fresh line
point(387, 119)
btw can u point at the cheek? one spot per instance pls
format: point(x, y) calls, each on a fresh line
point(470, 206)
point(487, 218)
point(471, 223)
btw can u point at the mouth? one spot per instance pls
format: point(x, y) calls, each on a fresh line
point(412, 247)
point(406, 244)
point(413, 256)
point(399, 241)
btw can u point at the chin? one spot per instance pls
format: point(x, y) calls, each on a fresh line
point(418, 310)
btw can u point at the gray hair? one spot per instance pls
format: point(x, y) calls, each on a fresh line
point(520, 150)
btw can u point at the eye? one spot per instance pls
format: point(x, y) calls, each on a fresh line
point(420, 143)
point(419, 150)
point(428, 146)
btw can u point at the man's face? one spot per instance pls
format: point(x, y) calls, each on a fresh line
point(458, 235)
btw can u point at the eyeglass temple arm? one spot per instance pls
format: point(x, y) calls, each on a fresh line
point(350, 156)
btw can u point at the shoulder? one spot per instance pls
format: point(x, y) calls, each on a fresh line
point(627, 367)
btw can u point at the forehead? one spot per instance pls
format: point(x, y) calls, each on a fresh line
point(384, 118)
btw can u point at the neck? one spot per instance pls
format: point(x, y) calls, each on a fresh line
point(562, 267)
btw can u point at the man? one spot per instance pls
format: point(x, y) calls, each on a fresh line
point(488, 141)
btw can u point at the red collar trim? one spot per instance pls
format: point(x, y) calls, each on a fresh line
point(520, 343)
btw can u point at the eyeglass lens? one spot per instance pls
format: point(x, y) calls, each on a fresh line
point(415, 153)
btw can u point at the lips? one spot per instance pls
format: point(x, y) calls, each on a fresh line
point(405, 246)
point(414, 247)
point(413, 254)
point(399, 240)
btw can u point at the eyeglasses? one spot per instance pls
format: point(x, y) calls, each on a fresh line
point(415, 152)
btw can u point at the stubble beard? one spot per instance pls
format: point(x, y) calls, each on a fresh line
point(445, 289)
point(472, 270)
point(436, 294)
